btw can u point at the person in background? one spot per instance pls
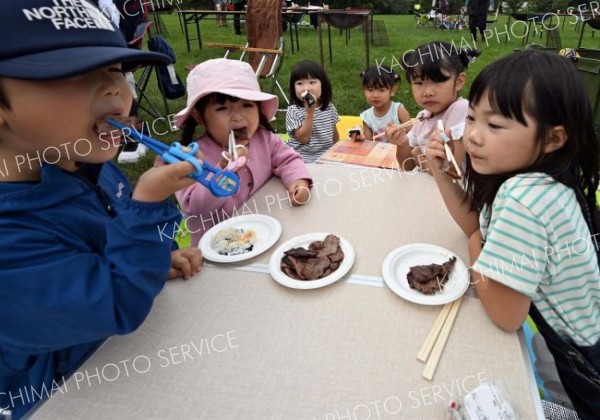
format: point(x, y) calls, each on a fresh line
point(311, 118)
point(436, 73)
point(314, 17)
point(379, 85)
point(238, 6)
point(477, 11)
point(220, 5)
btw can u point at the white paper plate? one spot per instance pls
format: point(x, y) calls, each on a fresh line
point(268, 231)
point(397, 265)
point(304, 241)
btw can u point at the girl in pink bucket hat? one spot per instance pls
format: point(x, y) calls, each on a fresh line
point(224, 98)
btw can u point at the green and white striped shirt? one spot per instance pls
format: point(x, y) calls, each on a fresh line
point(538, 243)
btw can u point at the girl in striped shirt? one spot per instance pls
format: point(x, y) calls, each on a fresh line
point(311, 119)
point(531, 179)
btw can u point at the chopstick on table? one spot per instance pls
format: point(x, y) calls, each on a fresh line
point(449, 154)
point(436, 353)
point(433, 334)
point(405, 124)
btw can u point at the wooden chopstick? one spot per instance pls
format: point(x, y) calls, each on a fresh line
point(433, 334)
point(405, 124)
point(452, 159)
point(436, 353)
point(449, 154)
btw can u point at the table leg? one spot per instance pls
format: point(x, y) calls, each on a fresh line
point(507, 29)
point(320, 31)
point(297, 43)
point(329, 39)
point(581, 35)
point(198, 32)
point(187, 34)
point(371, 31)
point(528, 30)
point(291, 29)
point(367, 29)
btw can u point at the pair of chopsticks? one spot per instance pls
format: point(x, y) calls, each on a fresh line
point(431, 350)
point(405, 124)
point(449, 154)
point(235, 162)
point(221, 183)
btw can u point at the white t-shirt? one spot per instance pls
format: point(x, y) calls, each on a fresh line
point(379, 124)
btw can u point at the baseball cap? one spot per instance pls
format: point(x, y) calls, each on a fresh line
point(230, 77)
point(55, 39)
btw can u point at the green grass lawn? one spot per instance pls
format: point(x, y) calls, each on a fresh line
point(348, 59)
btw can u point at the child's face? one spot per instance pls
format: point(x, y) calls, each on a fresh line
point(379, 97)
point(57, 119)
point(242, 116)
point(435, 97)
point(496, 144)
point(312, 84)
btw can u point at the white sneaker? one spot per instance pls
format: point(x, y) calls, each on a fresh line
point(132, 152)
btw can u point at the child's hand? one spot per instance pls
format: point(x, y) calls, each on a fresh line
point(355, 136)
point(420, 159)
point(242, 151)
point(185, 263)
point(436, 153)
point(309, 101)
point(395, 135)
point(299, 192)
point(159, 182)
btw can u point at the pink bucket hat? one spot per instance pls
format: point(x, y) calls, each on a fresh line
point(230, 77)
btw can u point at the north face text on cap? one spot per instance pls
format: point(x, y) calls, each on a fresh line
point(70, 14)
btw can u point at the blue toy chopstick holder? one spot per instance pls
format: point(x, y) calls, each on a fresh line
point(221, 183)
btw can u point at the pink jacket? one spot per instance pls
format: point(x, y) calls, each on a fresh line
point(269, 156)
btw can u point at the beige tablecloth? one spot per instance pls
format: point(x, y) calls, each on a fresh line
point(377, 210)
point(256, 350)
point(232, 343)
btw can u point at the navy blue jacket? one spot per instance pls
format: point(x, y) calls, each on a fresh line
point(79, 261)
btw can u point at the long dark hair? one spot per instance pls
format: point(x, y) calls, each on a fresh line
point(547, 88)
point(307, 69)
point(189, 125)
point(428, 60)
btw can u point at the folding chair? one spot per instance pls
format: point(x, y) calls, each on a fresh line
point(265, 46)
point(136, 27)
point(346, 122)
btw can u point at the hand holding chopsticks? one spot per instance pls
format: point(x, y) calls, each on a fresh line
point(431, 350)
point(221, 183)
point(234, 162)
point(405, 124)
point(449, 154)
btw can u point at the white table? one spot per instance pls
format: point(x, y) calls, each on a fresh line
point(232, 343)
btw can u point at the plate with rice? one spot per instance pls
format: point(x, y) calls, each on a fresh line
point(240, 238)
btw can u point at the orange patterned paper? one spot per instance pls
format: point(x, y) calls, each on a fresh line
point(363, 153)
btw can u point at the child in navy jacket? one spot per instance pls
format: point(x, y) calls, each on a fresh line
point(81, 254)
